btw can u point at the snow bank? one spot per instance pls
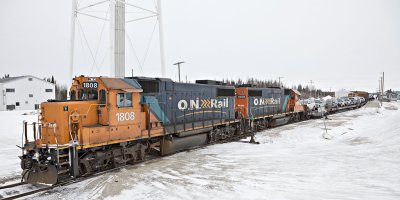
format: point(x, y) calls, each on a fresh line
point(327, 98)
point(11, 135)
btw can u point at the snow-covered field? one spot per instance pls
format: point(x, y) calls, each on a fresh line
point(10, 136)
point(360, 160)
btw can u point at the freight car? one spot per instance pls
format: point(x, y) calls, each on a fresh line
point(111, 122)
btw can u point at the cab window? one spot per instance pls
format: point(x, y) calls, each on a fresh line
point(124, 100)
point(73, 95)
point(102, 99)
point(80, 94)
point(92, 95)
point(87, 95)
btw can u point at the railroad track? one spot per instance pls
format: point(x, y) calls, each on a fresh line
point(12, 185)
point(82, 178)
point(148, 158)
point(64, 183)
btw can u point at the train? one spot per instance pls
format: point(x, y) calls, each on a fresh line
point(112, 122)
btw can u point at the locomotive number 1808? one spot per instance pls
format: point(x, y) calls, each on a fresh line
point(125, 116)
point(93, 85)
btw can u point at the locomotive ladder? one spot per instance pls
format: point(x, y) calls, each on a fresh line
point(67, 161)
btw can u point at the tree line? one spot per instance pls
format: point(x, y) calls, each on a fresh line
point(61, 90)
point(306, 91)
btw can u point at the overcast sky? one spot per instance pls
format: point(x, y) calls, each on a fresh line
point(337, 44)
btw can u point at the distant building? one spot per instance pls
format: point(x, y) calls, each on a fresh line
point(24, 92)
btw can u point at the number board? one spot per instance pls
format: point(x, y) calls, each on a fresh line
point(90, 85)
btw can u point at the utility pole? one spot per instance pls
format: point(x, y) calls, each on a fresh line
point(280, 80)
point(380, 86)
point(383, 82)
point(311, 83)
point(179, 68)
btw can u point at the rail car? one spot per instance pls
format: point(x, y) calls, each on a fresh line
point(111, 122)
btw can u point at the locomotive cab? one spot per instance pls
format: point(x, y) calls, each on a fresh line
point(101, 110)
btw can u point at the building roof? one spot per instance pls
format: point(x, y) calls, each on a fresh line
point(5, 80)
point(9, 79)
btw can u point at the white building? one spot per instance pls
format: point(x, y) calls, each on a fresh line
point(24, 92)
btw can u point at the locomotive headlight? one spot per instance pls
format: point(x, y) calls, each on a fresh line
point(25, 152)
point(49, 158)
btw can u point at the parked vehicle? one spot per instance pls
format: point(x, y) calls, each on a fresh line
point(320, 102)
point(331, 103)
point(354, 100)
point(347, 101)
point(341, 102)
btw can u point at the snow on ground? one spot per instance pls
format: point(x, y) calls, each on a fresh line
point(11, 135)
point(361, 160)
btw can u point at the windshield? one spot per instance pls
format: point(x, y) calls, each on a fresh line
point(87, 94)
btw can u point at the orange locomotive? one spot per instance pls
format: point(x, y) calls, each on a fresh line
point(110, 122)
point(103, 112)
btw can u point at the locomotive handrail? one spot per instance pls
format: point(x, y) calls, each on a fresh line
point(22, 136)
point(55, 138)
point(35, 132)
point(26, 131)
point(184, 121)
point(69, 127)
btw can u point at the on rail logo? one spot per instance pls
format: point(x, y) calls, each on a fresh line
point(202, 103)
point(266, 101)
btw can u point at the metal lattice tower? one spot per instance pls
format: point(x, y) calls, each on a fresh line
point(117, 21)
